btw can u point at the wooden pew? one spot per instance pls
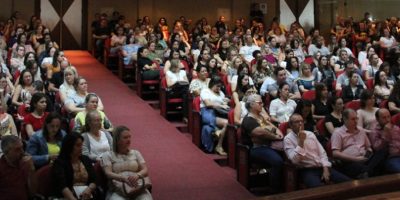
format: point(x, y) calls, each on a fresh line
point(390, 195)
point(352, 189)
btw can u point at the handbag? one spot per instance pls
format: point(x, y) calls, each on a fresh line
point(221, 112)
point(126, 190)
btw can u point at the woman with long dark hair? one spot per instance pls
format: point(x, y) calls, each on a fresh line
point(44, 145)
point(72, 169)
point(35, 119)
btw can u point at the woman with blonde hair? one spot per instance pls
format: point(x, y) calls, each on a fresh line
point(67, 88)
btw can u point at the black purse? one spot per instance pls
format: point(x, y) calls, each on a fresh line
point(221, 112)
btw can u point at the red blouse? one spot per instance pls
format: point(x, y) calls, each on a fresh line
point(36, 123)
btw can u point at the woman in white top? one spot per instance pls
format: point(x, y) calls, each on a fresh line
point(372, 68)
point(282, 108)
point(178, 85)
point(382, 89)
point(67, 88)
point(366, 114)
point(387, 41)
point(196, 85)
point(96, 141)
point(343, 45)
point(213, 98)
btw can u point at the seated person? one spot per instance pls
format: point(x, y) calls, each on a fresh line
point(344, 78)
point(24, 90)
point(334, 119)
point(17, 172)
point(381, 87)
point(385, 138)
point(282, 107)
point(129, 51)
point(303, 149)
point(303, 108)
point(34, 120)
point(67, 87)
point(123, 164)
point(306, 80)
point(7, 125)
point(148, 68)
point(75, 102)
point(213, 98)
point(366, 113)
point(281, 74)
point(200, 83)
point(178, 85)
point(352, 147)
point(45, 144)
point(72, 169)
point(394, 99)
point(353, 90)
point(259, 134)
point(91, 104)
point(243, 70)
point(96, 141)
point(320, 106)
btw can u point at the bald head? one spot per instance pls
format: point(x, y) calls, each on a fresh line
point(383, 116)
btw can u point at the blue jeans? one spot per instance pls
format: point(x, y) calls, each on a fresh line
point(270, 158)
point(354, 169)
point(209, 125)
point(393, 164)
point(311, 177)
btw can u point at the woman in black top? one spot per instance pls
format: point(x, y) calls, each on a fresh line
point(320, 107)
point(148, 68)
point(71, 168)
point(334, 119)
point(304, 109)
point(353, 90)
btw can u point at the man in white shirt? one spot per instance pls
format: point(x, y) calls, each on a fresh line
point(304, 150)
point(247, 50)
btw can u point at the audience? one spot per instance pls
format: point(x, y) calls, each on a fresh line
point(204, 55)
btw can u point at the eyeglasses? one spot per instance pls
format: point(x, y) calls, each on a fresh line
point(259, 102)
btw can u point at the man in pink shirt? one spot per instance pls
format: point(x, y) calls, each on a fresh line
point(304, 150)
point(386, 139)
point(351, 146)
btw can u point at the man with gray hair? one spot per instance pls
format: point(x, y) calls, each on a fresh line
point(304, 150)
point(259, 134)
point(17, 171)
point(350, 144)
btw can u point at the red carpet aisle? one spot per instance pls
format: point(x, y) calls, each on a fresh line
point(178, 169)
